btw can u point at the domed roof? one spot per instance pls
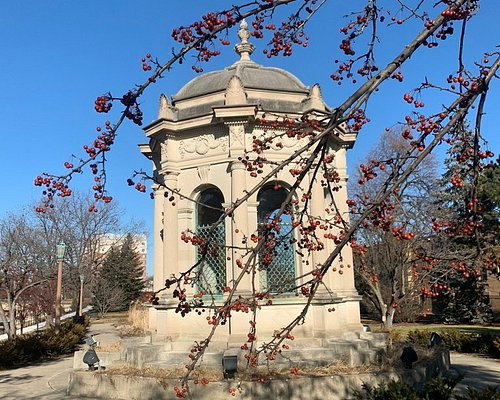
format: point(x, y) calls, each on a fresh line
point(252, 76)
point(270, 89)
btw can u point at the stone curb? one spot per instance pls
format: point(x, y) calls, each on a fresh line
point(108, 386)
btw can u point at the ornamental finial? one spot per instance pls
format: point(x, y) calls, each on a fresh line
point(244, 48)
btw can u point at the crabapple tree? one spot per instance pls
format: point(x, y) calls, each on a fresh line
point(282, 26)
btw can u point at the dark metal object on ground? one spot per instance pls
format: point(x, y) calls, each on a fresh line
point(230, 366)
point(434, 340)
point(409, 356)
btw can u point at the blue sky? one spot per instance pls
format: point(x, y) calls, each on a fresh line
point(58, 56)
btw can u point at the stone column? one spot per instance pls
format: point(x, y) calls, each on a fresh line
point(158, 277)
point(170, 228)
point(317, 207)
point(235, 114)
point(318, 211)
point(239, 220)
point(185, 251)
point(343, 284)
point(253, 228)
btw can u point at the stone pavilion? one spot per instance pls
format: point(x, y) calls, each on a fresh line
point(196, 146)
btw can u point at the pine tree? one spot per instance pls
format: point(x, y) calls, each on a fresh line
point(489, 196)
point(132, 281)
point(467, 304)
point(121, 270)
point(463, 201)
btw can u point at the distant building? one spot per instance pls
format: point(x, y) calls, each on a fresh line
point(108, 240)
point(493, 292)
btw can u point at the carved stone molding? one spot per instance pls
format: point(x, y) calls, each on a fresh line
point(237, 135)
point(203, 173)
point(164, 151)
point(314, 100)
point(201, 145)
point(165, 109)
point(286, 142)
point(186, 211)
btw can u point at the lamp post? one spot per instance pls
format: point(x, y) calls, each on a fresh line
point(80, 306)
point(60, 249)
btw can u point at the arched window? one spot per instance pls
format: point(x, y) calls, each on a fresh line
point(276, 260)
point(212, 254)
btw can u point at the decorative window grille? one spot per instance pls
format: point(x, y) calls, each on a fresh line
point(212, 269)
point(279, 275)
point(276, 262)
point(212, 253)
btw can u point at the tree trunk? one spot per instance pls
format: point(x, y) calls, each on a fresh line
point(12, 323)
point(389, 317)
point(6, 322)
point(49, 321)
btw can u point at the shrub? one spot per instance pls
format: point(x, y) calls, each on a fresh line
point(482, 343)
point(395, 336)
point(393, 390)
point(435, 389)
point(41, 345)
point(138, 315)
point(496, 347)
point(419, 337)
point(439, 388)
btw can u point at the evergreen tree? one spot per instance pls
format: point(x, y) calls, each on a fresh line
point(132, 281)
point(466, 223)
point(467, 303)
point(489, 196)
point(121, 270)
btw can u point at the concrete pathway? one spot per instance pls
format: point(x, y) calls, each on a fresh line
point(479, 372)
point(49, 380)
point(45, 381)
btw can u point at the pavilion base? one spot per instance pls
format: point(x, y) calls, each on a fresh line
point(331, 333)
point(362, 349)
point(326, 318)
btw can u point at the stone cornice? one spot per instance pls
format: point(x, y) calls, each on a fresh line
point(172, 127)
point(238, 112)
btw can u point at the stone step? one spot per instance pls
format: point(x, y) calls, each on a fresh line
point(342, 345)
point(137, 356)
point(178, 359)
point(378, 340)
point(365, 357)
point(291, 358)
point(186, 345)
point(332, 351)
point(305, 343)
point(117, 364)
